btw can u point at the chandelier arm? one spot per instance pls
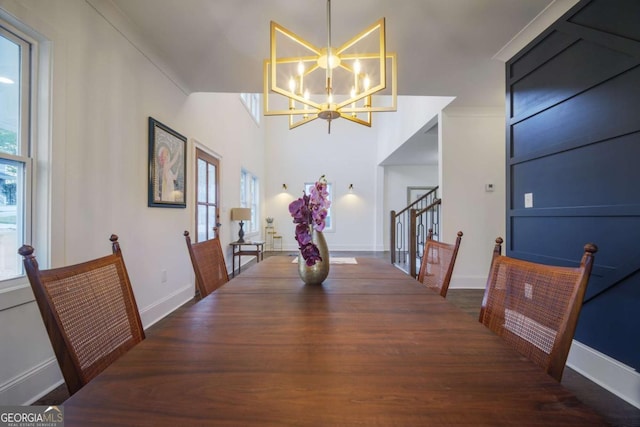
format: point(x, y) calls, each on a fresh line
point(279, 28)
point(383, 56)
point(293, 125)
point(295, 59)
point(367, 109)
point(362, 35)
point(357, 120)
point(298, 98)
point(329, 59)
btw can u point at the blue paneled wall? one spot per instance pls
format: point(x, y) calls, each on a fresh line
point(573, 141)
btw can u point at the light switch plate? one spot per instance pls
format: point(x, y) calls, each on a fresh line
point(528, 200)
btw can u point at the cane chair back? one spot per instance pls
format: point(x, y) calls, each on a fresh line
point(89, 311)
point(438, 260)
point(535, 307)
point(208, 264)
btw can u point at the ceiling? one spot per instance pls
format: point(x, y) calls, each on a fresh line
point(454, 48)
point(444, 47)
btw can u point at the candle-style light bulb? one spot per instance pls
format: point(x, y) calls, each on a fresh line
point(366, 82)
point(301, 76)
point(356, 75)
point(292, 88)
point(306, 107)
point(353, 104)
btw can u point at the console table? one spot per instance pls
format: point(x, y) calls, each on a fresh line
point(255, 249)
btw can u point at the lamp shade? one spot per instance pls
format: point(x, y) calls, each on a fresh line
point(240, 214)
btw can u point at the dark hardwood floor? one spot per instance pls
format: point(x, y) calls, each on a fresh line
point(615, 410)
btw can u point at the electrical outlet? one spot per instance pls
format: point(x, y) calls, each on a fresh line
point(163, 276)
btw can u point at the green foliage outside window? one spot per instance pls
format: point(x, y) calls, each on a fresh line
point(8, 141)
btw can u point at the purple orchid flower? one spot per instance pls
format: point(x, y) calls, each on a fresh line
point(310, 212)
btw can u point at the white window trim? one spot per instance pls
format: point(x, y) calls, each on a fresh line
point(17, 291)
point(253, 104)
point(254, 229)
point(332, 228)
point(27, 107)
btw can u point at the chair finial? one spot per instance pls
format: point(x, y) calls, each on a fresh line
point(115, 246)
point(459, 233)
point(591, 248)
point(497, 250)
point(26, 250)
point(186, 233)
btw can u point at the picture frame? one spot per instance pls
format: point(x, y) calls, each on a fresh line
point(414, 193)
point(330, 219)
point(167, 167)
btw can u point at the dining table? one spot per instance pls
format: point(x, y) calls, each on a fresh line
point(370, 346)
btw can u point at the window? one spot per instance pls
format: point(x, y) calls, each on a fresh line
point(328, 225)
point(15, 179)
point(249, 198)
point(252, 102)
point(207, 215)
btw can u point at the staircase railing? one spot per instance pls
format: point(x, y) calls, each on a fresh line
point(409, 228)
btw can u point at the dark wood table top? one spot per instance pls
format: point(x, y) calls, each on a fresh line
point(369, 347)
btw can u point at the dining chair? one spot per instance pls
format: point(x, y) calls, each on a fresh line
point(535, 307)
point(438, 260)
point(208, 263)
point(89, 312)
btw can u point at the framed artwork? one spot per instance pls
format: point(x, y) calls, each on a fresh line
point(167, 166)
point(414, 193)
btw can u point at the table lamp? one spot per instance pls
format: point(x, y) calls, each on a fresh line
point(241, 214)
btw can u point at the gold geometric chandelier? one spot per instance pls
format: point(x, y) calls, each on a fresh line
point(327, 82)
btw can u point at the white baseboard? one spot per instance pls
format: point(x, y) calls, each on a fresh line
point(160, 309)
point(468, 282)
point(608, 373)
point(29, 386)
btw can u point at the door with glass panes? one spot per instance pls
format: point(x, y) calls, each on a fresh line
point(207, 196)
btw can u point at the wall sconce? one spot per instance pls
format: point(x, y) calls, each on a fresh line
point(350, 188)
point(284, 187)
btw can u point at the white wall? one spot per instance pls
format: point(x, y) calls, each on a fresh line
point(346, 156)
point(103, 89)
point(397, 179)
point(472, 154)
point(220, 124)
point(413, 113)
